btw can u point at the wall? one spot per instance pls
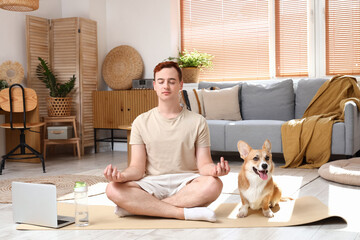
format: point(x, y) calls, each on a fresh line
point(151, 27)
point(12, 30)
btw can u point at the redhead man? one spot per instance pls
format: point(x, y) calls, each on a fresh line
point(171, 172)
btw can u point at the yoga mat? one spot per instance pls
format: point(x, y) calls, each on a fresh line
point(296, 212)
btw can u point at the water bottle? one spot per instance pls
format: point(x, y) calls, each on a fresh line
point(81, 204)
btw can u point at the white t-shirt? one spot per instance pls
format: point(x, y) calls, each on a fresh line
point(170, 143)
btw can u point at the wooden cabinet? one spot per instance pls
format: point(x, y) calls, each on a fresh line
point(70, 47)
point(117, 108)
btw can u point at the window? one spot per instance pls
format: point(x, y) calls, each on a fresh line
point(291, 38)
point(342, 37)
point(235, 32)
point(262, 39)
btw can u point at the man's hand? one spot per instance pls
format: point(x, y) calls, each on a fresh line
point(222, 168)
point(113, 175)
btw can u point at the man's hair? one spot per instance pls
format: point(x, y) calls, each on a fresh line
point(168, 64)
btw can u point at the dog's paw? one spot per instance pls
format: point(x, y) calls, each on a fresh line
point(243, 212)
point(268, 213)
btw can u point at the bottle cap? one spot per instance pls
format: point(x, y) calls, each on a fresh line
point(80, 187)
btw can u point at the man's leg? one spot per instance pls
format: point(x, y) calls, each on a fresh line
point(132, 198)
point(199, 192)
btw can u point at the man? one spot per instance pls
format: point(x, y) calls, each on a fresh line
point(171, 172)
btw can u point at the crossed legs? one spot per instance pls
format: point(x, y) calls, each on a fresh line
point(200, 192)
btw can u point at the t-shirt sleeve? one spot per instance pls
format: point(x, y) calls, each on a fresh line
point(135, 136)
point(203, 139)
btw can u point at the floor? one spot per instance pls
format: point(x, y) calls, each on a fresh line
point(341, 199)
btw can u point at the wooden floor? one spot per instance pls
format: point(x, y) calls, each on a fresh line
point(342, 199)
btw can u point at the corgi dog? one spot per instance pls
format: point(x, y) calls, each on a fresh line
point(256, 186)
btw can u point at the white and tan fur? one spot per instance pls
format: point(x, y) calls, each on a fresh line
point(256, 186)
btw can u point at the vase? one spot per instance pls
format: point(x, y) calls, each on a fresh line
point(59, 106)
point(191, 74)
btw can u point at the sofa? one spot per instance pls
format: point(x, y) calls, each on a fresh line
point(264, 105)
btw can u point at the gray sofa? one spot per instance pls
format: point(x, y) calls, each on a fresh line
point(266, 104)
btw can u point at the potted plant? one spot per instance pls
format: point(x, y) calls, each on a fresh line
point(59, 104)
point(192, 63)
point(3, 84)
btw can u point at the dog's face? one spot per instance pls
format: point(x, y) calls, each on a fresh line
point(257, 161)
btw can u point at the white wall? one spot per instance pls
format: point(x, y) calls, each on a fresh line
point(12, 30)
point(150, 26)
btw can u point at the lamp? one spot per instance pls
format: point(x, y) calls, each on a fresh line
point(19, 5)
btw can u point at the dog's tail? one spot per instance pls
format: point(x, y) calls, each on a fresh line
point(286, 199)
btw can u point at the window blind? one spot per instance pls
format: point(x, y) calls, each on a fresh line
point(342, 37)
point(291, 38)
point(235, 32)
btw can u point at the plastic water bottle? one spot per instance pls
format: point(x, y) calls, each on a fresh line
point(81, 204)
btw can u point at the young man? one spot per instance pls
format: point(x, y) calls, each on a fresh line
point(171, 172)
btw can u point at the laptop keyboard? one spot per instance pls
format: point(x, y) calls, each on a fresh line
point(61, 221)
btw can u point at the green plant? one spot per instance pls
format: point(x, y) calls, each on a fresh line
point(194, 59)
point(45, 74)
point(3, 84)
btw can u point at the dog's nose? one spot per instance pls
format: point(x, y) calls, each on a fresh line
point(264, 166)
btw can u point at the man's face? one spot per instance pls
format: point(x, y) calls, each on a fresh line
point(167, 83)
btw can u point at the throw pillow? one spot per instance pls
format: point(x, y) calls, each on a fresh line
point(273, 101)
point(222, 104)
point(192, 100)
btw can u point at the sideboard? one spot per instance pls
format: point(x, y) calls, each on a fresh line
point(116, 109)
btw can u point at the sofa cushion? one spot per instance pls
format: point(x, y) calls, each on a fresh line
point(217, 134)
point(208, 85)
point(254, 132)
point(222, 104)
point(305, 91)
point(273, 101)
point(194, 98)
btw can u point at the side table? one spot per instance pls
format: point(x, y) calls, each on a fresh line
point(75, 140)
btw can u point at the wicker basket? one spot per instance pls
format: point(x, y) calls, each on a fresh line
point(59, 106)
point(122, 65)
point(191, 74)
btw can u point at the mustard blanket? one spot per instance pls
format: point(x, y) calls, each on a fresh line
point(310, 137)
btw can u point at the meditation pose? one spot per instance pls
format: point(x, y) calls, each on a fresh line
point(171, 173)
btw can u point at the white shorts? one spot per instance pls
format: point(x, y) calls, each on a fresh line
point(166, 185)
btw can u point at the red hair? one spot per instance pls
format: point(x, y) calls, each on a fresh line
point(168, 64)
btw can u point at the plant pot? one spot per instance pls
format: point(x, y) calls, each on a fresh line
point(190, 74)
point(59, 106)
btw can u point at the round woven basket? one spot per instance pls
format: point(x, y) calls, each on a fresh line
point(122, 65)
point(11, 72)
point(59, 106)
point(190, 74)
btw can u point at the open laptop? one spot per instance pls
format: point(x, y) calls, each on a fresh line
point(36, 204)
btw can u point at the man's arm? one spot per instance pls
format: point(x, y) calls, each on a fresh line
point(134, 171)
point(206, 165)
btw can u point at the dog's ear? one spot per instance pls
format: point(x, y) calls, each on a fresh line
point(267, 145)
point(243, 148)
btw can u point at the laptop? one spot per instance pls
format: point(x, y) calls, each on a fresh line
point(36, 204)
